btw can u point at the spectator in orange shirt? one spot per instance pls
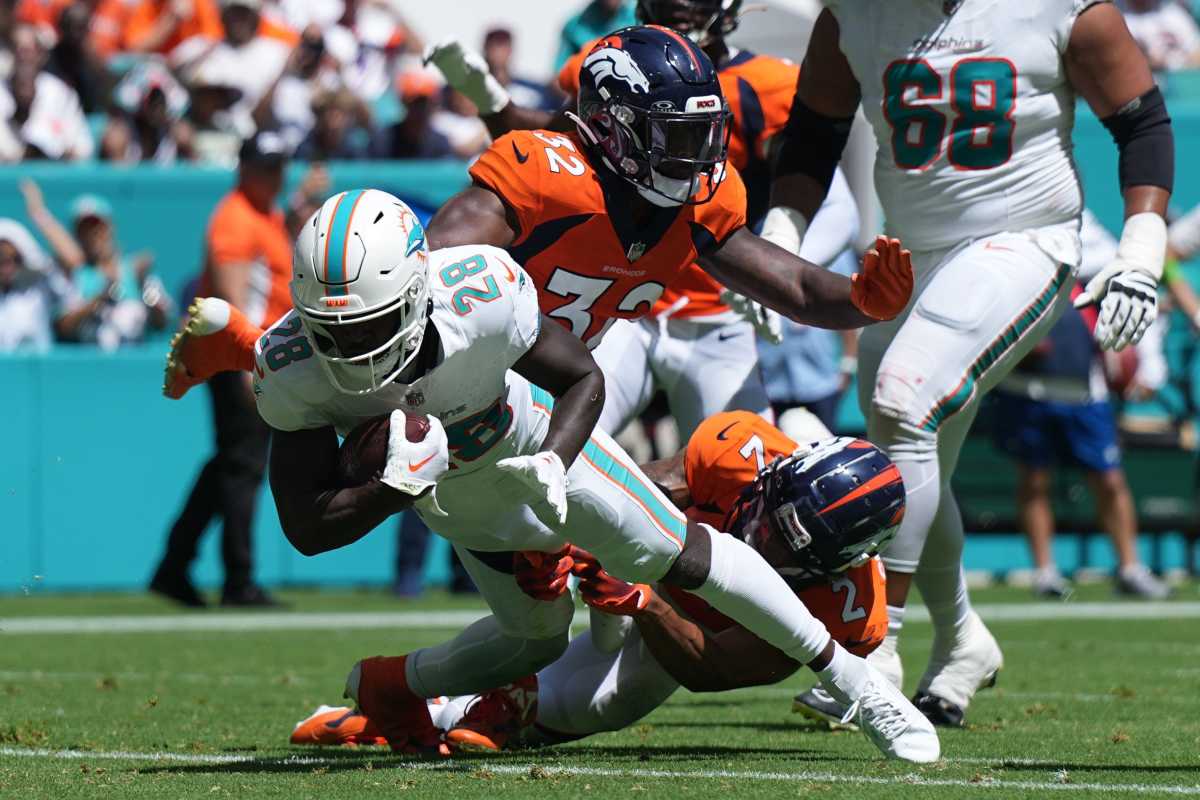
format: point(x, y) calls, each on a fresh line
point(248, 262)
point(159, 26)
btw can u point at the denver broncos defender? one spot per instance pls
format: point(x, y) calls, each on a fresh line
point(816, 513)
point(691, 344)
point(972, 103)
point(382, 326)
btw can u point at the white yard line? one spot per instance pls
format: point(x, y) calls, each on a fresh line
point(985, 782)
point(428, 620)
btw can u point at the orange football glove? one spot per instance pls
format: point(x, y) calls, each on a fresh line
point(605, 593)
point(882, 289)
point(543, 576)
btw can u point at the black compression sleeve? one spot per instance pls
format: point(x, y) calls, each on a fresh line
point(1142, 130)
point(812, 144)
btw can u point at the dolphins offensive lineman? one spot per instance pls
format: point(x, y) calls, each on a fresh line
point(972, 104)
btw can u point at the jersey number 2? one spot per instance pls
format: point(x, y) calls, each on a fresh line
point(983, 95)
point(850, 612)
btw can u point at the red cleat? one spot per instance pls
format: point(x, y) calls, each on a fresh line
point(496, 718)
point(401, 717)
point(337, 725)
point(215, 337)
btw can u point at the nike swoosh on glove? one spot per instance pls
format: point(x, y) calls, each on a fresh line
point(605, 593)
point(543, 576)
point(544, 481)
point(413, 467)
point(1128, 305)
point(766, 322)
point(883, 287)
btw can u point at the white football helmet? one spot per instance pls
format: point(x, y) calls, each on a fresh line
point(360, 284)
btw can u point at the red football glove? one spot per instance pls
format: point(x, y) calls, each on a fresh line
point(605, 593)
point(882, 289)
point(543, 576)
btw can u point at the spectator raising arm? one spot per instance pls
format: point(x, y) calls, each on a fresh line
point(66, 250)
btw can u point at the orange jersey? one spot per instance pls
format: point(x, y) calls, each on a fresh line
point(590, 260)
point(238, 233)
point(722, 458)
point(759, 91)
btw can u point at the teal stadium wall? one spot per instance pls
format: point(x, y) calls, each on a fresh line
point(96, 463)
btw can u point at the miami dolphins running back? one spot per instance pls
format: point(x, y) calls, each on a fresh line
point(510, 463)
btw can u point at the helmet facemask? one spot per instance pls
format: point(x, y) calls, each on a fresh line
point(671, 157)
point(363, 351)
point(702, 21)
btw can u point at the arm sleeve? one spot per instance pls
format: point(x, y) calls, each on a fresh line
point(515, 181)
point(834, 227)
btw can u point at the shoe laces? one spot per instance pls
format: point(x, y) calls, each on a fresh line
point(885, 716)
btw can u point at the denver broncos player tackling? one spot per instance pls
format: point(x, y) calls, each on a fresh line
point(972, 104)
point(380, 324)
point(816, 513)
point(691, 344)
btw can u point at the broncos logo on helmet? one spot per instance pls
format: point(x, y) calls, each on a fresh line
point(609, 62)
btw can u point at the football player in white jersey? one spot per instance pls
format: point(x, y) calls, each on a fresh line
point(972, 104)
point(382, 326)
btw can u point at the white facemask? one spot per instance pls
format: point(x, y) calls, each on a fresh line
point(671, 191)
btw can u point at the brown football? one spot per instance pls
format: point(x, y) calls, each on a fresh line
point(363, 453)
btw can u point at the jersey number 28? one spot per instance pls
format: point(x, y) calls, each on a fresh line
point(983, 95)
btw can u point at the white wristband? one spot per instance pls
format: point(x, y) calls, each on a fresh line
point(1143, 244)
point(785, 227)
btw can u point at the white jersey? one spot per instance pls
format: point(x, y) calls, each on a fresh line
point(486, 315)
point(972, 113)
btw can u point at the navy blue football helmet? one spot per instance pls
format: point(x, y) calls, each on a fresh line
point(651, 106)
point(834, 507)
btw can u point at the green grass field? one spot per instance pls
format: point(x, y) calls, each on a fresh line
point(1103, 707)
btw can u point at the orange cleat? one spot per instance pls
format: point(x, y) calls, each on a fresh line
point(496, 718)
point(337, 725)
point(215, 337)
point(401, 717)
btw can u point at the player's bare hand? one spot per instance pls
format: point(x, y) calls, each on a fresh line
point(543, 576)
point(605, 593)
point(882, 288)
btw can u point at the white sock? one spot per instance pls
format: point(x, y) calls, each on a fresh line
point(480, 658)
point(895, 622)
point(744, 587)
point(845, 675)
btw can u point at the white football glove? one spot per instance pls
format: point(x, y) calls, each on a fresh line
point(413, 467)
point(1127, 289)
point(466, 71)
point(544, 481)
point(766, 322)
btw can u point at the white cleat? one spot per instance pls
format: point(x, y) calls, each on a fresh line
point(892, 723)
point(957, 669)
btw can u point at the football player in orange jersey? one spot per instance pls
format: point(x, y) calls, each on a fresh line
point(817, 513)
point(691, 344)
point(605, 218)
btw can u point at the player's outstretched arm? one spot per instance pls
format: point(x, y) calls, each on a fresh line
point(809, 294)
point(807, 152)
point(561, 364)
point(316, 515)
point(1105, 65)
point(473, 216)
point(467, 71)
